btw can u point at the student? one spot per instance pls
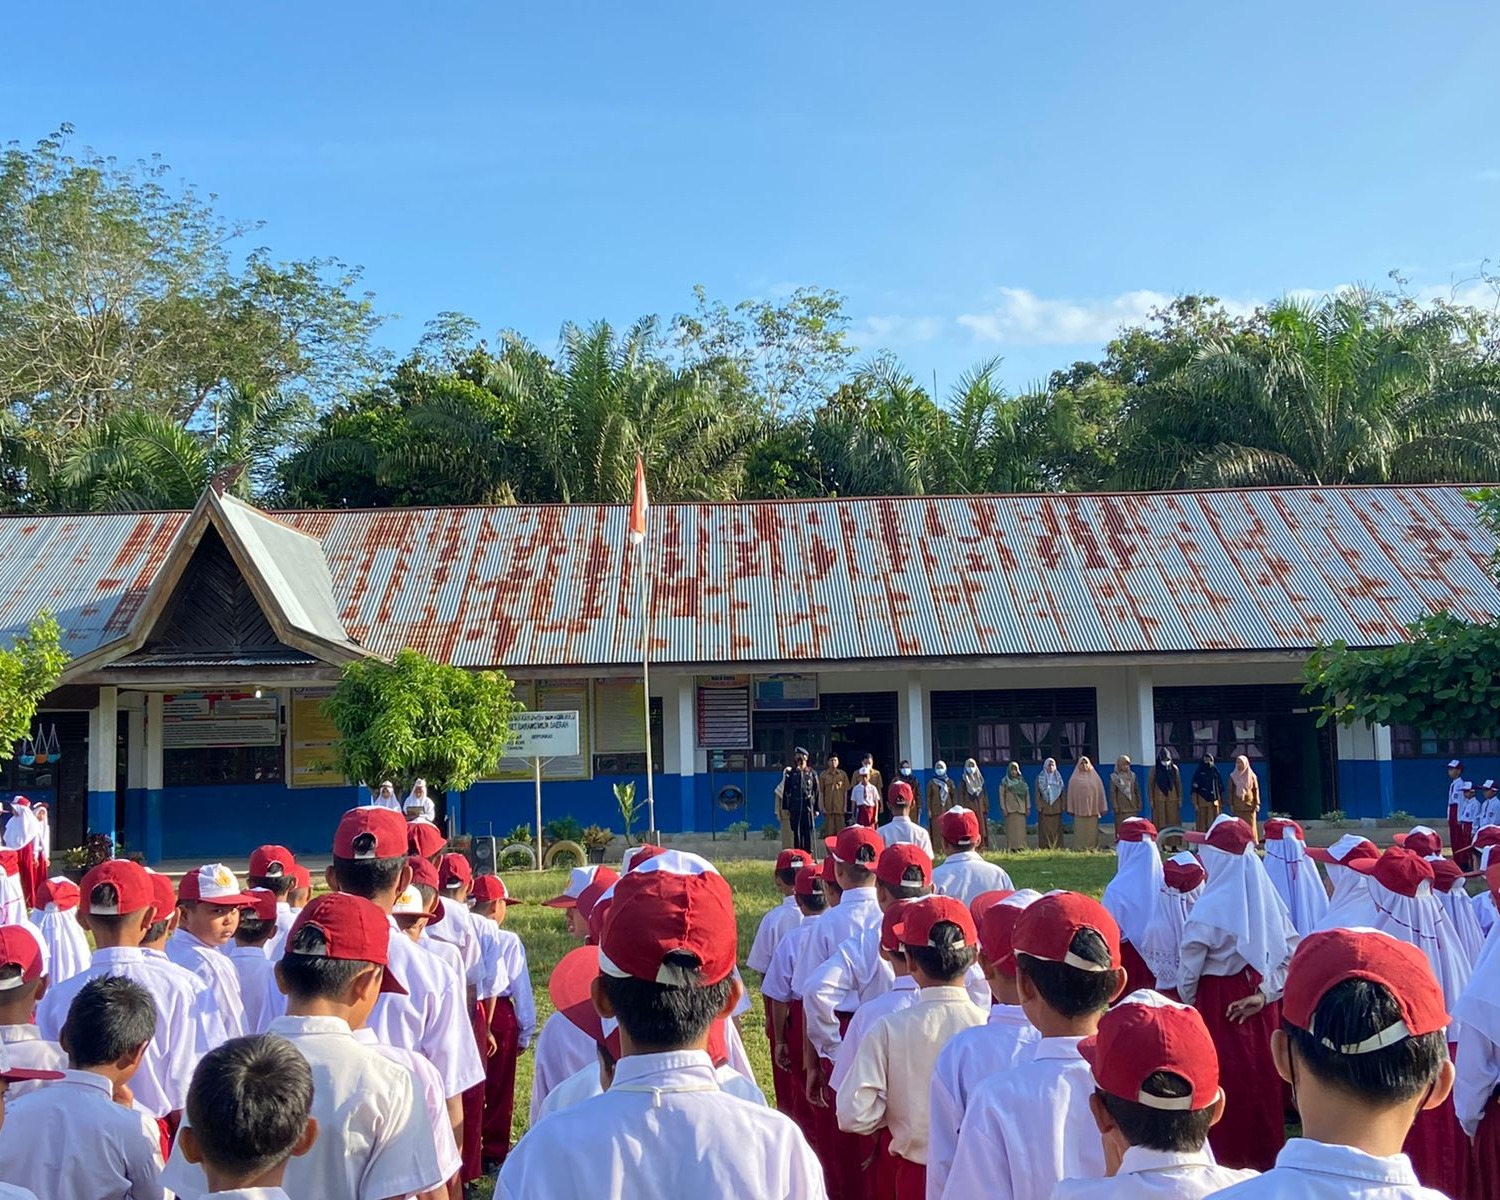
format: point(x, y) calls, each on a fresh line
point(1131, 895)
point(975, 1055)
point(1455, 800)
point(1361, 1044)
point(562, 1050)
point(768, 934)
point(373, 1142)
point(513, 1022)
point(247, 955)
point(1349, 905)
point(664, 1129)
point(12, 1079)
point(1183, 881)
point(249, 1113)
point(418, 804)
point(1476, 1093)
point(903, 992)
point(1156, 1096)
point(209, 900)
point(578, 880)
point(784, 1005)
point(56, 920)
point(71, 1137)
point(1468, 813)
point(1235, 950)
point(1293, 876)
point(274, 868)
point(1489, 806)
point(901, 829)
point(1448, 887)
point(864, 798)
point(300, 894)
point(424, 839)
point(1031, 1127)
point(119, 908)
point(23, 979)
point(889, 1081)
point(963, 874)
point(385, 797)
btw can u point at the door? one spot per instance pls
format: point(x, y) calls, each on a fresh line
point(853, 741)
point(1299, 760)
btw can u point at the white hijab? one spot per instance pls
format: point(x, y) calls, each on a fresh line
point(425, 800)
point(380, 799)
point(1479, 1005)
point(23, 828)
point(1050, 782)
point(1422, 921)
point(973, 778)
point(66, 945)
point(1296, 880)
point(1161, 945)
point(1130, 896)
point(1239, 900)
point(1350, 906)
point(1459, 906)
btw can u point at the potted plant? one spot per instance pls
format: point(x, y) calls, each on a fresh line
point(596, 840)
point(625, 802)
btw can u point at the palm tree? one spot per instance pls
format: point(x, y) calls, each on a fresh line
point(1354, 389)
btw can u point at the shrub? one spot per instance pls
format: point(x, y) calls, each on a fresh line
point(563, 829)
point(596, 837)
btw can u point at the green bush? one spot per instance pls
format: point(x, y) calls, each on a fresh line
point(563, 829)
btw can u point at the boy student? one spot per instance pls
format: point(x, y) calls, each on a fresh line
point(1361, 1043)
point(373, 1141)
point(1156, 1081)
point(864, 798)
point(1028, 1128)
point(12, 1078)
point(248, 1113)
point(1456, 837)
point(23, 979)
point(784, 1006)
point(901, 829)
point(664, 1129)
point(976, 1054)
point(513, 1021)
point(274, 868)
point(964, 874)
point(247, 955)
point(119, 908)
point(768, 934)
point(80, 1136)
point(890, 1078)
point(209, 900)
point(902, 994)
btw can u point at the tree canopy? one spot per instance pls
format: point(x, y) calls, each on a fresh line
point(28, 671)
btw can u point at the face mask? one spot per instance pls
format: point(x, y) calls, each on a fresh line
point(941, 772)
point(906, 770)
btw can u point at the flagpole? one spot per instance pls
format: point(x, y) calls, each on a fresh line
point(646, 695)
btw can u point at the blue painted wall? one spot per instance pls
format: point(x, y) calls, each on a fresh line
point(228, 822)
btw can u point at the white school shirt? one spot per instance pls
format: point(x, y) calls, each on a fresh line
point(1477, 1075)
point(11, 1192)
point(965, 875)
point(213, 967)
point(858, 909)
point(852, 976)
point(903, 831)
point(26, 1049)
point(903, 994)
point(1027, 1130)
point(889, 1081)
point(1489, 813)
point(257, 978)
point(1468, 808)
point(777, 983)
point(457, 929)
point(1147, 1174)
point(584, 1085)
point(665, 1130)
point(975, 1055)
point(510, 954)
point(373, 1140)
point(286, 917)
point(71, 1140)
point(12, 899)
point(1455, 792)
point(1309, 1170)
point(768, 934)
point(248, 1194)
point(445, 952)
point(185, 1021)
point(562, 1049)
point(429, 1091)
point(1211, 951)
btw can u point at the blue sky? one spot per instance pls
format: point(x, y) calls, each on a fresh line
point(977, 178)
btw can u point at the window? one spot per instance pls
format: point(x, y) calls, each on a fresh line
point(1409, 742)
point(633, 762)
point(1222, 721)
point(211, 766)
point(994, 727)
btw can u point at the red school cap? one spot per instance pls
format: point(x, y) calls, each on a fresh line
point(301, 877)
point(597, 913)
point(1445, 873)
point(1143, 1034)
point(20, 947)
point(1229, 834)
point(490, 887)
point(676, 903)
point(997, 927)
point(828, 872)
point(637, 855)
point(1325, 960)
point(1182, 872)
point(1278, 828)
point(890, 924)
point(59, 891)
point(920, 919)
point(788, 859)
point(424, 838)
point(858, 845)
point(1135, 829)
point(904, 864)
point(132, 885)
point(959, 826)
point(271, 862)
point(579, 879)
point(423, 873)
point(454, 872)
point(983, 902)
point(1397, 870)
point(1421, 840)
point(1345, 852)
point(263, 903)
point(591, 895)
point(163, 893)
point(213, 883)
point(1047, 928)
point(369, 833)
point(351, 927)
point(809, 882)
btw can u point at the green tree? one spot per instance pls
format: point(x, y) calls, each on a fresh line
point(28, 671)
point(413, 718)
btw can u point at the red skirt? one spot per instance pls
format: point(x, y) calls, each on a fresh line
point(911, 1179)
point(31, 870)
point(885, 1167)
point(500, 1081)
point(1484, 1170)
point(781, 1078)
point(1137, 974)
point(1251, 1133)
point(800, 1111)
point(1439, 1149)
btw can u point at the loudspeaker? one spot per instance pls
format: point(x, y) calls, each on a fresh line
point(483, 853)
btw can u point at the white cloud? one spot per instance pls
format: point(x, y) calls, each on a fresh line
point(1022, 318)
point(894, 330)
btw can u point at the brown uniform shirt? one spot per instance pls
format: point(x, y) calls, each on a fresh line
point(833, 790)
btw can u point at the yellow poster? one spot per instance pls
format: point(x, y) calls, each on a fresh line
point(313, 738)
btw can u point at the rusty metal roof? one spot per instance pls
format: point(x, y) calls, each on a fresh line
point(832, 580)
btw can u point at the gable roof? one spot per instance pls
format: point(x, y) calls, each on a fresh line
point(796, 582)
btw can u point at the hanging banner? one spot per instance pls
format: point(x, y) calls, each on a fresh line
point(196, 719)
point(724, 712)
point(786, 693)
point(313, 738)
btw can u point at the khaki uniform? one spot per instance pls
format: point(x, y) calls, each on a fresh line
point(1015, 805)
point(833, 793)
point(1166, 806)
point(942, 794)
point(1126, 804)
point(1246, 804)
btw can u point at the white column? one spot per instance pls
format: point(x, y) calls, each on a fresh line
point(1143, 714)
point(153, 756)
point(687, 748)
point(1114, 698)
point(103, 730)
point(914, 742)
point(135, 749)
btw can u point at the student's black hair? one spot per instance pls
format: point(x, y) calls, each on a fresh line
point(1071, 991)
point(907, 891)
point(10, 976)
point(107, 895)
point(859, 876)
point(427, 892)
point(812, 904)
point(109, 1018)
point(310, 974)
point(368, 877)
point(658, 1017)
point(787, 876)
point(252, 930)
point(156, 930)
point(949, 960)
point(1170, 1131)
point(248, 1104)
point(1351, 1012)
point(281, 885)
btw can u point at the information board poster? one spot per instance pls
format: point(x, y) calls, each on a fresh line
point(194, 719)
point(313, 738)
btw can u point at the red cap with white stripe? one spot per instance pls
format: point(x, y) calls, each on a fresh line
point(213, 883)
point(1325, 960)
point(1145, 1033)
point(676, 904)
point(1047, 928)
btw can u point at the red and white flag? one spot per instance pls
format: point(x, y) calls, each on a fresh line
point(638, 505)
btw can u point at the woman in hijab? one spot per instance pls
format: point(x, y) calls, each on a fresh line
point(1244, 793)
point(386, 797)
point(1208, 793)
point(1166, 795)
point(1161, 945)
point(1350, 906)
point(1049, 806)
point(1086, 803)
point(1295, 879)
point(1124, 790)
point(1235, 950)
point(1131, 895)
point(1015, 805)
point(973, 796)
point(418, 803)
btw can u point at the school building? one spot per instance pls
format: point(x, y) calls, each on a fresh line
point(996, 627)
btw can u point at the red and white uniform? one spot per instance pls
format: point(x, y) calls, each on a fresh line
point(1147, 1174)
point(28, 836)
point(1309, 1170)
point(56, 919)
point(964, 875)
point(773, 927)
point(903, 994)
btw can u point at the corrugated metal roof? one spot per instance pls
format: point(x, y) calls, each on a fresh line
point(833, 580)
